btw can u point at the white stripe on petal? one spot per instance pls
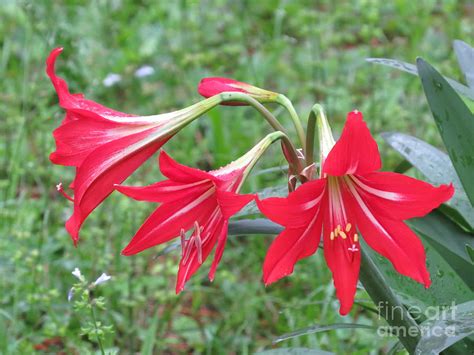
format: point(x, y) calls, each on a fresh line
point(388, 195)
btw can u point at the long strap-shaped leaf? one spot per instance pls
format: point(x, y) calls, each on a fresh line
point(455, 123)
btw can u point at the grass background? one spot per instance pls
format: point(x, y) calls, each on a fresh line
point(311, 51)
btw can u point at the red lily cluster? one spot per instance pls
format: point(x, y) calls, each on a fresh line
point(350, 200)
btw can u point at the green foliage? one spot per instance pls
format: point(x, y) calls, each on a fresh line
point(311, 51)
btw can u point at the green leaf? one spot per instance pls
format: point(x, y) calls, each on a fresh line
point(150, 338)
point(470, 251)
point(436, 166)
point(455, 123)
point(412, 69)
point(449, 240)
point(321, 328)
point(465, 54)
point(450, 327)
point(446, 284)
point(294, 351)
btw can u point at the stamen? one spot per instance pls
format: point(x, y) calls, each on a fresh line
point(60, 189)
point(182, 234)
point(198, 241)
point(194, 241)
point(348, 227)
point(188, 250)
point(343, 235)
point(332, 236)
point(356, 237)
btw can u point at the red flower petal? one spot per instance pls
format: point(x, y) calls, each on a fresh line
point(298, 208)
point(290, 246)
point(356, 152)
point(230, 203)
point(400, 197)
point(165, 191)
point(221, 242)
point(166, 222)
point(392, 239)
point(70, 101)
point(181, 173)
point(76, 139)
point(344, 265)
point(98, 174)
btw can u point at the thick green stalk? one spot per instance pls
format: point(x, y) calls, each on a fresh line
point(389, 306)
point(286, 103)
point(294, 162)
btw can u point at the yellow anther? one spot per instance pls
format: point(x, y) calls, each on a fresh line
point(332, 236)
point(356, 238)
point(348, 227)
point(343, 235)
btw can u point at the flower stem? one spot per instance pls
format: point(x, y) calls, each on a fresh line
point(292, 155)
point(97, 331)
point(389, 306)
point(257, 151)
point(286, 103)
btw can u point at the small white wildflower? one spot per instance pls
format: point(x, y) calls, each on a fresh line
point(70, 294)
point(144, 71)
point(102, 278)
point(77, 273)
point(112, 79)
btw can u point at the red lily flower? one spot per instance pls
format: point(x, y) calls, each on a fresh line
point(351, 197)
point(106, 146)
point(196, 200)
point(215, 85)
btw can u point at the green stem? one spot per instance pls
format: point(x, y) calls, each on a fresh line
point(257, 151)
point(97, 331)
point(286, 103)
point(293, 160)
point(389, 306)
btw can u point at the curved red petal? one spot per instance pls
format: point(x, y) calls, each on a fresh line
point(344, 265)
point(167, 221)
point(297, 209)
point(221, 242)
point(75, 140)
point(181, 173)
point(356, 152)
point(400, 197)
point(392, 239)
point(165, 191)
point(107, 166)
point(74, 101)
point(290, 246)
point(230, 203)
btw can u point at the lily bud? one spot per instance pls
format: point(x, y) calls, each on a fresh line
point(213, 86)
